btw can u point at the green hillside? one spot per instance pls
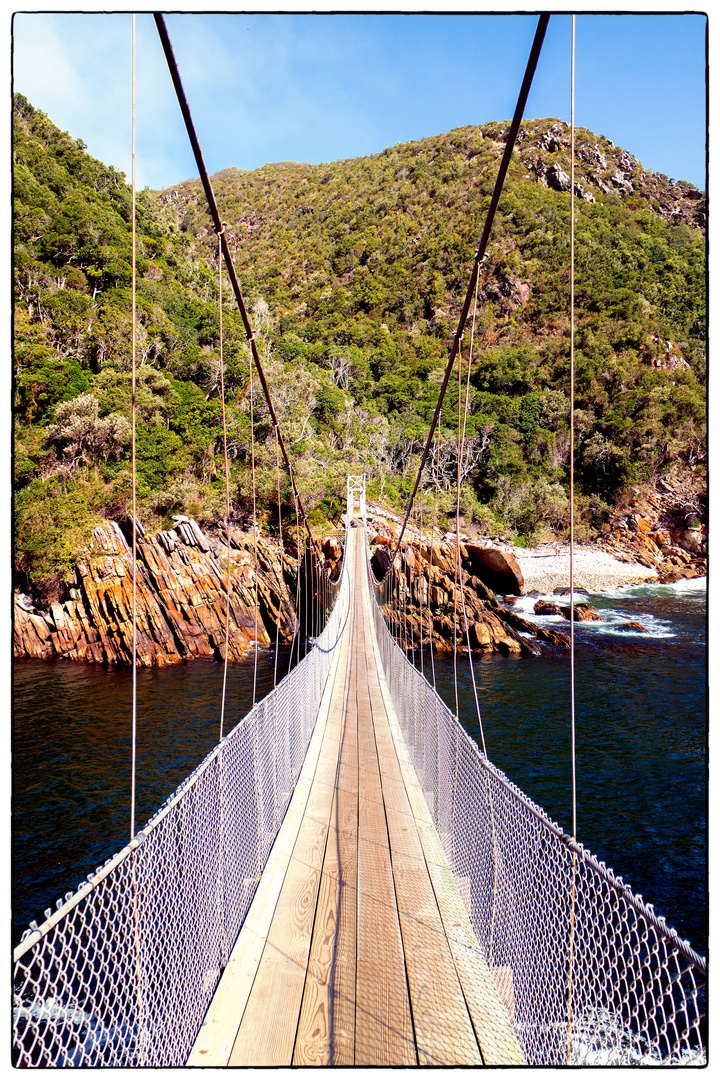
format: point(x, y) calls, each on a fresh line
point(354, 273)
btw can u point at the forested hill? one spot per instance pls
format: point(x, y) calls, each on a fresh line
point(354, 273)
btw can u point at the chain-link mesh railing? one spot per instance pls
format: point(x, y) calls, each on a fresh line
point(122, 973)
point(588, 972)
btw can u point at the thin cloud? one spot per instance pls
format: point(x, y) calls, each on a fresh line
point(265, 87)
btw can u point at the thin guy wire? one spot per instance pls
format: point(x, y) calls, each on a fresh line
point(572, 425)
point(296, 628)
point(133, 460)
point(460, 459)
point(280, 589)
point(432, 545)
point(255, 527)
point(221, 897)
point(572, 527)
point(312, 590)
point(227, 489)
point(457, 535)
point(461, 451)
point(410, 576)
point(136, 907)
point(420, 589)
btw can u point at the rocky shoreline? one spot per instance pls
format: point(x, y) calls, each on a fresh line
point(181, 601)
point(547, 570)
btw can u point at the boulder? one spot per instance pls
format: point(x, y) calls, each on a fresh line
point(557, 179)
point(581, 612)
point(380, 563)
point(496, 569)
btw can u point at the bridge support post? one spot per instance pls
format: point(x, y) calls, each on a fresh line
point(356, 496)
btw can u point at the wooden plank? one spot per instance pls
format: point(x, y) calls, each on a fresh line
point(267, 1032)
point(443, 1030)
point(280, 979)
point(384, 1032)
point(326, 1027)
point(356, 905)
point(493, 1030)
point(222, 1020)
point(279, 987)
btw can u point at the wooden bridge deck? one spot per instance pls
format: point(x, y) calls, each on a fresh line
point(357, 949)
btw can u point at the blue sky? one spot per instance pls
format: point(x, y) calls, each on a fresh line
point(324, 87)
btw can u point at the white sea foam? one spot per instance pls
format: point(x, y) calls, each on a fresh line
point(615, 623)
point(684, 585)
point(612, 620)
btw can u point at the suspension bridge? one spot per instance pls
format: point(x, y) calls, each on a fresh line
point(347, 879)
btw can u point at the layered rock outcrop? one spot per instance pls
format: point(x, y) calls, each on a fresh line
point(424, 603)
point(662, 529)
point(181, 587)
point(180, 600)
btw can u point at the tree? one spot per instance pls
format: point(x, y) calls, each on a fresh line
point(82, 436)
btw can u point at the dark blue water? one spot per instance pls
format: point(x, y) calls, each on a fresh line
point(641, 735)
point(72, 738)
point(641, 710)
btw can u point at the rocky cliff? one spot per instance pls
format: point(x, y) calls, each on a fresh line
point(181, 587)
point(424, 602)
point(663, 527)
point(181, 600)
point(544, 149)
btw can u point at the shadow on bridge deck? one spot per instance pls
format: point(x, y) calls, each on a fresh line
point(357, 949)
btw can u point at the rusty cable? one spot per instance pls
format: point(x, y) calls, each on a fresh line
point(215, 215)
point(282, 576)
point(256, 567)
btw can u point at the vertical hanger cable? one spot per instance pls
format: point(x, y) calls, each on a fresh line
point(572, 530)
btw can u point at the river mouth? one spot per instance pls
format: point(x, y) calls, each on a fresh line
point(641, 706)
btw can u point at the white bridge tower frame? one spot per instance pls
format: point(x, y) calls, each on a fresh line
point(356, 494)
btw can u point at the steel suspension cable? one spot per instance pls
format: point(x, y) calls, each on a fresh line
point(221, 895)
point(432, 545)
point(133, 425)
point(457, 541)
point(215, 215)
point(572, 428)
point(296, 628)
point(420, 589)
point(461, 451)
point(281, 581)
point(481, 251)
point(411, 621)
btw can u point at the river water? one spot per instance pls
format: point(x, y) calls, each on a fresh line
point(641, 723)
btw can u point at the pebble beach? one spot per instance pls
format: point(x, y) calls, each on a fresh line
point(548, 568)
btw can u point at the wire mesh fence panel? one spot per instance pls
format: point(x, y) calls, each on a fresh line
point(586, 970)
point(122, 973)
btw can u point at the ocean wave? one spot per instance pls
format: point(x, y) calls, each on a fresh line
point(686, 586)
point(613, 621)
